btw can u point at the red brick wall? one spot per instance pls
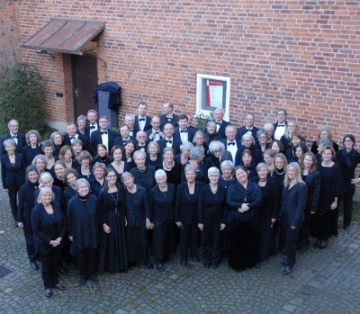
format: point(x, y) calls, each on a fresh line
point(302, 55)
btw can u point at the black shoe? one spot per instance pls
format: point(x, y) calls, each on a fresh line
point(34, 266)
point(148, 264)
point(283, 252)
point(214, 265)
point(94, 279)
point(59, 287)
point(82, 282)
point(257, 265)
point(346, 228)
point(284, 263)
point(63, 270)
point(195, 259)
point(207, 266)
point(287, 270)
point(48, 293)
point(183, 262)
point(160, 267)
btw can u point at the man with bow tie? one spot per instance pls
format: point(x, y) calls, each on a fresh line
point(155, 134)
point(142, 121)
point(168, 115)
point(169, 140)
point(72, 134)
point(142, 141)
point(249, 126)
point(93, 125)
point(129, 120)
point(183, 131)
point(19, 138)
point(102, 136)
point(231, 143)
point(124, 136)
point(220, 123)
point(279, 126)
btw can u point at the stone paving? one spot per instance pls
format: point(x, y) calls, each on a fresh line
point(323, 281)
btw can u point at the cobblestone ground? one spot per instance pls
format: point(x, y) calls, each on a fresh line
point(323, 281)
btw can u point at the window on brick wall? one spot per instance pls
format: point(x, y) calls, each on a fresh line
point(212, 92)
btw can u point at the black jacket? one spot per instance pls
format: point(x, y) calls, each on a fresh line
point(293, 203)
point(96, 139)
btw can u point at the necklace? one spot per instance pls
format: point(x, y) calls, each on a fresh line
point(279, 173)
point(115, 201)
point(166, 167)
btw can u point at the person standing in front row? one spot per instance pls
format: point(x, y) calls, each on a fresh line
point(293, 203)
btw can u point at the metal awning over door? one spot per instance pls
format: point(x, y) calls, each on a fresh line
point(69, 36)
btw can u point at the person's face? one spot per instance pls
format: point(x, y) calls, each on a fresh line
point(129, 148)
point(117, 155)
point(291, 172)
point(211, 128)
point(268, 159)
point(81, 124)
point(40, 164)
point(299, 152)
point(320, 148)
point(217, 153)
point(10, 148)
point(71, 129)
point(247, 159)
point(77, 148)
point(324, 135)
point(247, 142)
point(129, 121)
point(185, 153)
point(161, 181)
point(13, 127)
point(99, 173)
point(166, 109)
point(33, 176)
point(57, 139)
point(270, 133)
point(295, 140)
point(124, 131)
point(199, 140)
point(241, 176)
point(326, 155)
point(46, 198)
point(308, 162)
point(190, 176)
point(169, 156)
point(85, 162)
point(92, 117)
point(168, 130)
point(275, 147)
point(262, 139)
point(47, 182)
point(141, 137)
point(111, 177)
point(281, 117)
point(103, 123)
point(33, 138)
point(348, 143)
point(230, 133)
point(249, 121)
point(279, 163)
point(218, 115)
point(59, 170)
point(140, 161)
point(48, 151)
point(68, 155)
point(71, 179)
point(128, 182)
point(263, 173)
point(101, 152)
point(83, 190)
point(142, 110)
point(183, 124)
point(291, 127)
point(227, 170)
point(214, 178)
point(155, 123)
point(153, 149)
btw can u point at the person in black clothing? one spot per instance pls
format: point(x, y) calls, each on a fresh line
point(210, 133)
point(48, 226)
point(153, 157)
point(83, 229)
point(113, 250)
point(138, 220)
point(48, 148)
point(58, 141)
point(227, 176)
point(66, 155)
point(171, 168)
point(212, 218)
point(213, 160)
point(247, 161)
point(348, 159)
point(324, 134)
point(102, 155)
point(162, 202)
point(143, 175)
point(46, 179)
point(97, 181)
point(26, 204)
point(268, 211)
point(293, 204)
point(117, 153)
point(70, 176)
point(33, 146)
point(243, 199)
point(59, 179)
point(196, 155)
point(248, 142)
point(40, 162)
point(84, 168)
point(186, 214)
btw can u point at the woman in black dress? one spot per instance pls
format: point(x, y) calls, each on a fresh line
point(70, 176)
point(196, 156)
point(183, 157)
point(324, 134)
point(32, 148)
point(227, 175)
point(57, 140)
point(212, 218)
point(215, 149)
point(293, 203)
point(269, 210)
point(48, 149)
point(84, 168)
point(113, 251)
point(84, 230)
point(186, 214)
point(97, 181)
point(143, 174)
point(65, 154)
point(171, 168)
point(247, 161)
point(26, 204)
point(48, 226)
point(162, 202)
point(130, 148)
point(243, 199)
point(153, 157)
point(102, 155)
point(348, 159)
point(120, 166)
point(138, 214)
point(59, 179)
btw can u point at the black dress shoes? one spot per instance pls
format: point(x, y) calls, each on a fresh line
point(82, 282)
point(195, 259)
point(59, 287)
point(48, 293)
point(214, 265)
point(287, 270)
point(148, 264)
point(160, 267)
point(284, 263)
point(183, 262)
point(207, 266)
point(94, 279)
point(34, 266)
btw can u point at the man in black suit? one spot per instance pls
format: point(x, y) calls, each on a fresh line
point(92, 126)
point(169, 140)
point(19, 138)
point(142, 121)
point(249, 126)
point(142, 141)
point(231, 144)
point(279, 126)
point(182, 131)
point(124, 136)
point(220, 123)
point(155, 133)
point(102, 136)
point(168, 115)
point(71, 135)
point(129, 120)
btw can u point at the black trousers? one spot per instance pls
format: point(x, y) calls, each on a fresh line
point(13, 201)
point(210, 242)
point(86, 260)
point(304, 232)
point(347, 198)
point(50, 262)
point(30, 245)
point(290, 239)
point(163, 241)
point(188, 235)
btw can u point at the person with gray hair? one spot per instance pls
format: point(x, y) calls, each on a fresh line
point(221, 124)
point(212, 218)
point(248, 142)
point(83, 230)
point(269, 128)
point(40, 162)
point(143, 174)
point(19, 138)
point(81, 124)
point(210, 132)
point(215, 149)
point(162, 203)
point(195, 156)
point(227, 176)
point(46, 180)
point(183, 157)
point(33, 146)
point(262, 140)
